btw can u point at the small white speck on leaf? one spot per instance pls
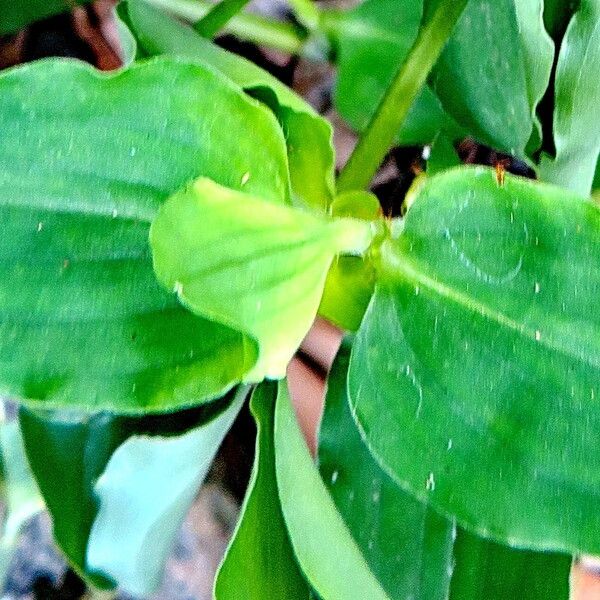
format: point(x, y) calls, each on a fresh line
point(449, 447)
point(245, 178)
point(114, 213)
point(536, 287)
point(334, 477)
point(178, 287)
point(40, 226)
point(538, 335)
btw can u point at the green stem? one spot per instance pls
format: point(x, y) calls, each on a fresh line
point(245, 26)
point(306, 12)
point(211, 23)
point(379, 136)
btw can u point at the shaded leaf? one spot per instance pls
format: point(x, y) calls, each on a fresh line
point(260, 561)
point(144, 493)
point(479, 355)
point(69, 452)
point(406, 545)
point(250, 264)
point(577, 95)
point(314, 524)
point(83, 320)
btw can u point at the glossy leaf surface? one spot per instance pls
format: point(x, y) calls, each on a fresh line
point(314, 524)
point(407, 545)
point(577, 95)
point(260, 561)
point(83, 320)
point(250, 264)
point(69, 452)
point(308, 136)
point(475, 373)
point(144, 493)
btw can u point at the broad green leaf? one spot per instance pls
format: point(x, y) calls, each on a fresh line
point(16, 14)
point(143, 494)
point(474, 376)
point(250, 264)
point(83, 320)
point(413, 551)
point(324, 547)
point(68, 452)
point(577, 95)
point(406, 545)
point(18, 493)
point(308, 136)
point(260, 561)
point(484, 570)
point(371, 41)
point(495, 98)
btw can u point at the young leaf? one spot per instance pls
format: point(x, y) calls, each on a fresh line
point(250, 264)
point(407, 545)
point(83, 320)
point(69, 452)
point(143, 494)
point(474, 376)
point(260, 561)
point(484, 570)
point(308, 136)
point(577, 95)
point(314, 524)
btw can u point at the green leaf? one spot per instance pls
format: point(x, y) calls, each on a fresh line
point(83, 320)
point(69, 452)
point(144, 493)
point(325, 549)
point(16, 15)
point(485, 570)
point(557, 14)
point(308, 136)
point(260, 561)
point(474, 376)
point(577, 95)
point(413, 551)
point(18, 493)
point(496, 98)
point(250, 264)
point(406, 545)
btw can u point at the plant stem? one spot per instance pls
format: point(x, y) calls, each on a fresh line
point(245, 26)
point(211, 23)
point(306, 12)
point(378, 138)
